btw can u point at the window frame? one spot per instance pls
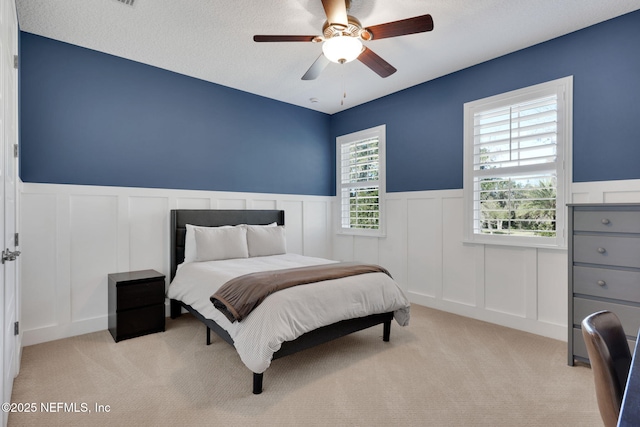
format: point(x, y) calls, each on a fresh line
point(563, 87)
point(380, 133)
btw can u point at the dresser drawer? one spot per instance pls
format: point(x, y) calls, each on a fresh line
point(629, 315)
point(580, 348)
point(607, 250)
point(607, 221)
point(133, 295)
point(607, 283)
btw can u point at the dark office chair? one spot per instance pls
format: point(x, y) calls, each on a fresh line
point(610, 361)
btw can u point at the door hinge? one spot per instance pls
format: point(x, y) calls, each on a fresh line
point(15, 61)
point(16, 328)
point(15, 150)
point(17, 239)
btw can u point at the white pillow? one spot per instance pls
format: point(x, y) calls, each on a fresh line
point(190, 241)
point(266, 240)
point(216, 243)
point(273, 224)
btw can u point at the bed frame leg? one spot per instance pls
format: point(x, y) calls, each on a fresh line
point(175, 308)
point(387, 331)
point(257, 383)
point(208, 335)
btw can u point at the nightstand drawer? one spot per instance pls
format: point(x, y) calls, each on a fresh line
point(607, 283)
point(629, 315)
point(140, 294)
point(607, 250)
point(607, 221)
point(141, 321)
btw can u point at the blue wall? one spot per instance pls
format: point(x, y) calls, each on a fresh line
point(425, 123)
point(92, 118)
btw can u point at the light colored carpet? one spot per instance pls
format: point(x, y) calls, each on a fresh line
point(441, 370)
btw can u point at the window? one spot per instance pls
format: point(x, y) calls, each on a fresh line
point(360, 181)
point(516, 165)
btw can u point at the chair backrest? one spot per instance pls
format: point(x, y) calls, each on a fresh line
point(610, 361)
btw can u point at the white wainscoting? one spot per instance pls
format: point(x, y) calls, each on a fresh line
point(73, 236)
point(522, 288)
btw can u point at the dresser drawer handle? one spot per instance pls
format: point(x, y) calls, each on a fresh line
point(602, 283)
point(605, 221)
point(602, 250)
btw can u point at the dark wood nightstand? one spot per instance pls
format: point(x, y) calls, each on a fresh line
point(136, 304)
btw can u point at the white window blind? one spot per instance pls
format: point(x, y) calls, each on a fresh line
point(515, 165)
point(515, 169)
point(361, 181)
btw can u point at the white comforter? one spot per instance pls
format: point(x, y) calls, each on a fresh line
point(287, 314)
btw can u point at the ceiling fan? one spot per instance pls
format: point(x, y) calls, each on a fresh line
point(342, 37)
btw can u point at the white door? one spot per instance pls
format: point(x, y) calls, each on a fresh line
point(8, 182)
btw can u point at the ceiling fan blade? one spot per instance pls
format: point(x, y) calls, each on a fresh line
point(417, 24)
point(336, 11)
point(283, 38)
point(377, 64)
point(314, 71)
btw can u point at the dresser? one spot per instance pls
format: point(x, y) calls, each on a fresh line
point(604, 269)
point(136, 303)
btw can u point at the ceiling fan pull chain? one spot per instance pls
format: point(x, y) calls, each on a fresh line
point(344, 90)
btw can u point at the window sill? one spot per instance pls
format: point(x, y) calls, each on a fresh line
point(361, 234)
point(519, 243)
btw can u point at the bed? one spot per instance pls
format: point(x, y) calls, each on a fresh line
point(194, 280)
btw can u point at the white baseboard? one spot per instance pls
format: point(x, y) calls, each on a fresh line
point(558, 332)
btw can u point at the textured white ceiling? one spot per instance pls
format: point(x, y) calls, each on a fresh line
point(212, 39)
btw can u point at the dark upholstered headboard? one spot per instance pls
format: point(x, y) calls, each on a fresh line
point(212, 218)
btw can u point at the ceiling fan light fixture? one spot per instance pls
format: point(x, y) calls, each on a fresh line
point(342, 49)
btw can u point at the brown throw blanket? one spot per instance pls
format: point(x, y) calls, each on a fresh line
point(239, 296)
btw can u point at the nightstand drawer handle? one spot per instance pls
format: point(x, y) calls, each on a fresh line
point(605, 221)
point(602, 250)
point(602, 283)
